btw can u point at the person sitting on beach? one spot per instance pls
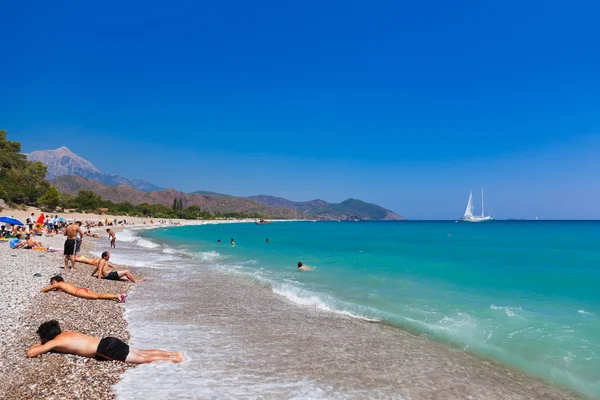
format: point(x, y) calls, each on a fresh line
point(112, 237)
point(106, 271)
point(31, 244)
point(16, 243)
point(90, 234)
point(58, 283)
point(106, 349)
point(303, 267)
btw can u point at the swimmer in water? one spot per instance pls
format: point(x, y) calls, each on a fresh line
point(303, 267)
point(267, 240)
point(219, 241)
point(232, 242)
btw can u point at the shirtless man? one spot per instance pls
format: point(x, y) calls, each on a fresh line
point(31, 244)
point(58, 283)
point(70, 244)
point(106, 349)
point(303, 267)
point(112, 237)
point(105, 271)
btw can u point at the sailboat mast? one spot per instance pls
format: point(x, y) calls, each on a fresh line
point(482, 206)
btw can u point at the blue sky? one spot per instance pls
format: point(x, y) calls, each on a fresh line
point(405, 104)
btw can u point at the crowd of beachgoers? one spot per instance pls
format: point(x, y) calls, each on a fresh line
point(62, 331)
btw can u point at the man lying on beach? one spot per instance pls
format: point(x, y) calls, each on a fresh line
point(58, 283)
point(106, 349)
point(107, 271)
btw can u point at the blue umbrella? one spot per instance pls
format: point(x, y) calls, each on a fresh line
point(10, 220)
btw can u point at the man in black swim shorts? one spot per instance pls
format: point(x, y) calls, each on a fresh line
point(71, 243)
point(105, 271)
point(107, 349)
point(112, 349)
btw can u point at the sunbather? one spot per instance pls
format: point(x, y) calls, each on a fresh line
point(30, 243)
point(108, 348)
point(58, 283)
point(107, 271)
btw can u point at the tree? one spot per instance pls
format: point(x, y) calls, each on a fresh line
point(50, 199)
point(22, 181)
point(87, 200)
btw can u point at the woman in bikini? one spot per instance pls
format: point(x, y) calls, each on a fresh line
point(58, 283)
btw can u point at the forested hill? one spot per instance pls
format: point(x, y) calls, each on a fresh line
point(352, 209)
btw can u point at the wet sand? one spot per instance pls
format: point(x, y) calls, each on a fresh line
point(263, 339)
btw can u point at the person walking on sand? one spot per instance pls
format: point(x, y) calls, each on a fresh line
point(105, 271)
point(71, 243)
point(30, 222)
point(58, 283)
point(106, 349)
point(112, 237)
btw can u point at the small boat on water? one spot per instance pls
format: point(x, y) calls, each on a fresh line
point(262, 222)
point(469, 217)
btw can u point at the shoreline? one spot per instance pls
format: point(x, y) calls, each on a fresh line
point(71, 376)
point(450, 371)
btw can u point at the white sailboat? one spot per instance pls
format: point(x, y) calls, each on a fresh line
point(469, 217)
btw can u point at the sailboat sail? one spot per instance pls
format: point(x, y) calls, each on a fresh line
point(469, 217)
point(469, 210)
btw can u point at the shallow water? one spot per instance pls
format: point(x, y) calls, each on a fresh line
point(522, 293)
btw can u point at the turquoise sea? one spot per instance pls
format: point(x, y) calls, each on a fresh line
point(524, 293)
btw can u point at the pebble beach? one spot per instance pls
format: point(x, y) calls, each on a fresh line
point(23, 308)
point(418, 367)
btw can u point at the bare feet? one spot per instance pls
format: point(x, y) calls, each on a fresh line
point(177, 357)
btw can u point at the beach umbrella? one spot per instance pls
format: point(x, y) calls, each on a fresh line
point(61, 219)
point(41, 219)
point(12, 221)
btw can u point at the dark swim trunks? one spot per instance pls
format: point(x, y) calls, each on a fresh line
point(112, 349)
point(69, 247)
point(112, 276)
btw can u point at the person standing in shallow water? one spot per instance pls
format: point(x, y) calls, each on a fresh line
point(232, 242)
point(267, 241)
point(112, 237)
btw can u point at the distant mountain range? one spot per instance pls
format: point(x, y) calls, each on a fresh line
point(63, 161)
point(348, 209)
point(71, 173)
point(72, 184)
